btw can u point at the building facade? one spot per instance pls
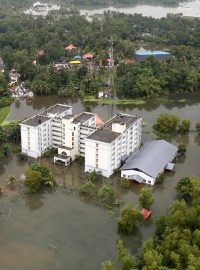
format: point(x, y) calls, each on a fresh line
point(117, 138)
point(43, 131)
point(103, 148)
point(57, 127)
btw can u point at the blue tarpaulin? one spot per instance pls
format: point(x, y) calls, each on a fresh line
point(77, 57)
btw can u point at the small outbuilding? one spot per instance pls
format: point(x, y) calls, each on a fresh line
point(146, 164)
point(141, 55)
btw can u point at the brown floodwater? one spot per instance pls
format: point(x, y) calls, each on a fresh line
point(59, 230)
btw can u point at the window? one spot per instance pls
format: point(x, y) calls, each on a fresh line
point(124, 175)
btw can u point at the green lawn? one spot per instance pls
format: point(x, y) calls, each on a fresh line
point(114, 101)
point(4, 112)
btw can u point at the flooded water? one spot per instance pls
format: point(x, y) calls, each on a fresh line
point(58, 230)
point(191, 8)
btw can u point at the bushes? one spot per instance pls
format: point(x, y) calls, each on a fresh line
point(124, 183)
point(198, 127)
point(182, 149)
point(50, 153)
point(22, 157)
point(107, 196)
point(87, 189)
point(129, 219)
point(184, 126)
point(37, 177)
point(166, 124)
point(146, 198)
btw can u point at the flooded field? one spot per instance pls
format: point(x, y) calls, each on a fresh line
point(59, 230)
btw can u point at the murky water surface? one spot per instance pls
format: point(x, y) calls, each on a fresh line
point(191, 9)
point(59, 230)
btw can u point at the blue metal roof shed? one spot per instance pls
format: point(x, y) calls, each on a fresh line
point(140, 56)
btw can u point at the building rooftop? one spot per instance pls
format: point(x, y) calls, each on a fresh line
point(56, 109)
point(68, 116)
point(121, 119)
point(151, 53)
point(103, 135)
point(83, 117)
point(152, 158)
point(35, 120)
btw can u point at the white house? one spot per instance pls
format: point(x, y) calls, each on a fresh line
point(105, 147)
point(145, 165)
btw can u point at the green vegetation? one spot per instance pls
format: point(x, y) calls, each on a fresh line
point(9, 136)
point(107, 196)
point(124, 183)
point(93, 176)
point(184, 126)
point(50, 153)
point(22, 157)
point(182, 149)
point(150, 79)
point(38, 177)
point(161, 178)
point(198, 127)
point(127, 262)
point(175, 244)
point(185, 186)
point(114, 101)
point(166, 124)
point(4, 113)
point(87, 190)
point(146, 198)
point(129, 219)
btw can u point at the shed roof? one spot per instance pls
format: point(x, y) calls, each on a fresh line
point(151, 53)
point(152, 158)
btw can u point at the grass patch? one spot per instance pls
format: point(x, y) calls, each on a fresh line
point(115, 101)
point(4, 112)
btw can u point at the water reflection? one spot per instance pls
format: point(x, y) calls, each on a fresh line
point(34, 202)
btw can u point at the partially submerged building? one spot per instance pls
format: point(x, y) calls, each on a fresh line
point(105, 147)
point(146, 164)
point(57, 127)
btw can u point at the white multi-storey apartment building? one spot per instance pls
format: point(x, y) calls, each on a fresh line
point(74, 136)
point(105, 147)
point(74, 131)
point(42, 131)
point(57, 127)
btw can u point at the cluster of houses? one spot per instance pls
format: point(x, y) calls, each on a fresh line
point(106, 147)
point(21, 91)
point(41, 9)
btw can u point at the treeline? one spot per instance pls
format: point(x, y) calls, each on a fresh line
point(154, 78)
point(21, 37)
point(25, 3)
point(176, 242)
